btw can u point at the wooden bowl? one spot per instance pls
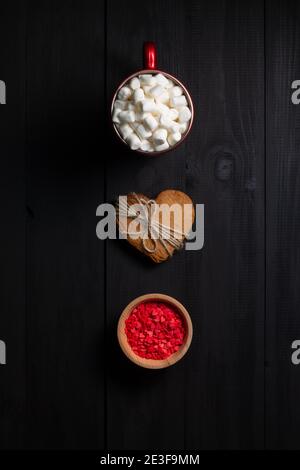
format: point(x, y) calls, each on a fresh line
point(153, 363)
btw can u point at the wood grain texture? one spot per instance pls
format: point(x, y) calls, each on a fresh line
point(142, 403)
point(13, 227)
point(67, 384)
point(224, 283)
point(283, 225)
point(66, 315)
point(219, 392)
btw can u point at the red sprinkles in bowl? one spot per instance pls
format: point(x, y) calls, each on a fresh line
point(155, 330)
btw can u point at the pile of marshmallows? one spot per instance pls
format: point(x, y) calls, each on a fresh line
point(151, 113)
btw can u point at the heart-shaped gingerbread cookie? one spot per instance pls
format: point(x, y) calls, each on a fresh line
point(156, 227)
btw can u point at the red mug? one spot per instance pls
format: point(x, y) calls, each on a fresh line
point(150, 66)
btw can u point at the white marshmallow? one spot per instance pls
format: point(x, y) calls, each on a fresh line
point(174, 138)
point(115, 116)
point(175, 127)
point(148, 106)
point(160, 136)
point(183, 127)
point(147, 89)
point(138, 95)
point(162, 80)
point(175, 91)
point(156, 91)
point(165, 121)
point(120, 104)
point(178, 101)
point(125, 131)
point(146, 146)
point(124, 93)
point(133, 141)
point(135, 84)
point(127, 116)
point(161, 148)
point(164, 97)
point(169, 85)
point(163, 109)
point(151, 122)
point(130, 107)
point(173, 114)
point(168, 124)
point(147, 79)
point(140, 116)
point(142, 132)
point(184, 114)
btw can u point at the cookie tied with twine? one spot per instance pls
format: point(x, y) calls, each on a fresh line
point(156, 227)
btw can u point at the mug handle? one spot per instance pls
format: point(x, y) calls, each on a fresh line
point(150, 56)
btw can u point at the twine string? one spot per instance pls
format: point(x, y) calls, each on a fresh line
point(152, 229)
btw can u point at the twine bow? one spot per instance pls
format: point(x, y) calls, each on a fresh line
point(151, 228)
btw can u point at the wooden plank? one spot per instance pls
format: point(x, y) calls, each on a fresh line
point(145, 408)
point(214, 398)
point(66, 315)
point(225, 171)
point(283, 223)
point(13, 227)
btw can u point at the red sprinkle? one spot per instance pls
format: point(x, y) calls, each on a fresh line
point(155, 330)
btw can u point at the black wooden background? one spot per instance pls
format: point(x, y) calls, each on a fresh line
point(66, 383)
